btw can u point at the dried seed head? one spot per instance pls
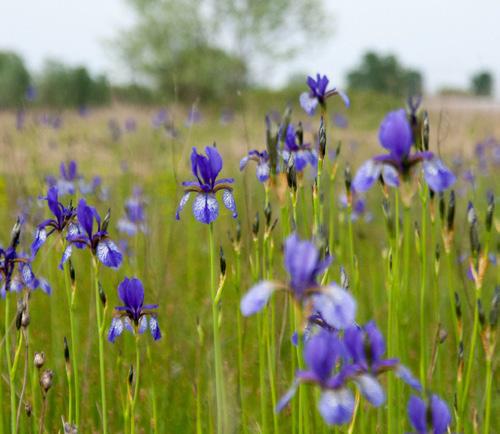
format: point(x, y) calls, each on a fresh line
point(46, 380)
point(39, 359)
point(102, 294)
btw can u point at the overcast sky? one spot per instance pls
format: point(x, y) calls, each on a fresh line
point(447, 40)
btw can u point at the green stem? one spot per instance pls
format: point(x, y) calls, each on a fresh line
point(423, 251)
point(12, 390)
point(487, 408)
point(100, 330)
point(240, 344)
point(219, 380)
point(136, 385)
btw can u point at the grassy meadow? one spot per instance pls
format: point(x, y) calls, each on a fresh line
point(176, 388)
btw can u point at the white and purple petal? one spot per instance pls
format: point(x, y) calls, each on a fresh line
point(182, 204)
point(336, 305)
point(308, 103)
point(228, 200)
point(287, 397)
point(366, 176)
point(143, 324)
point(115, 330)
point(336, 406)
point(205, 208)
point(66, 255)
point(390, 175)
point(256, 298)
point(371, 389)
point(108, 253)
point(154, 328)
point(437, 175)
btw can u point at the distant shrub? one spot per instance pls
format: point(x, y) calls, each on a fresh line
point(14, 80)
point(482, 84)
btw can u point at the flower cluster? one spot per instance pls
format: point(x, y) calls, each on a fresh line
point(318, 94)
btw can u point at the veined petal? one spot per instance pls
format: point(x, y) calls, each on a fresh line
point(256, 297)
point(366, 176)
point(336, 305)
point(406, 375)
point(108, 253)
point(205, 208)
point(115, 330)
point(390, 175)
point(154, 327)
point(182, 204)
point(40, 238)
point(143, 324)
point(287, 397)
point(243, 162)
point(228, 200)
point(336, 406)
point(308, 103)
point(371, 389)
point(66, 255)
point(437, 175)
point(44, 285)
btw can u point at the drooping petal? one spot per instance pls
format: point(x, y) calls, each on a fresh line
point(301, 159)
point(308, 103)
point(66, 255)
point(44, 285)
point(143, 324)
point(441, 417)
point(344, 97)
point(108, 253)
point(417, 412)
point(127, 226)
point(406, 375)
point(437, 175)
point(115, 330)
point(205, 208)
point(256, 297)
point(228, 200)
point(243, 162)
point(154, 327)
point(390, 175)
point(182, 204)
point(287, 397)
point(263, 171)
point(336, 305)
point(366, 176)
point(40, 238)
point(336, 406)
point(371, 389)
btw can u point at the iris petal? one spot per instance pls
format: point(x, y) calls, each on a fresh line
point(108, 253)
point(228, 200)
point(256, 298)
point(336, 305)
point(205, 208)
point(308, 103)
point(336, 406)
point(366, 176)
point(371, 389)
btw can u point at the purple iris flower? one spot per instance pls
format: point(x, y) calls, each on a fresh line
point(336, 306)
point(130, 125)
point(318, 94)
point(98, 242)
point(134, 315)
point(63, 220)
point(12, 261)
point(262, 160)
point(68, 176)
point(366, 348)
point(429, 417)
point(20, 119)
point(206, 169)
point(302, 153)
point(359, 208)
point(194, 117)
point(160, 118)
point(396, 136)
point(134, 219)
point(340, 120)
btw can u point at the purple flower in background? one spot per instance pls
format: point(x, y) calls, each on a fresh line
point(134, 219)
point(114, 129)
point(262, 160)
point(194, 117)
point(395, 135)
point(302, 153)
point(429, 417)
point(31, 93)
point(304, 265)
point(134, 315)
point(359, 209)
point(226, 116)
point(83, 111)
point(63, 220)
point(66, 183)
point(130, 125)
point(206, 169)
point(160, 118)
point(318, 94)
point(20, 119)
point(340, 120)
point(98, 242)
point(12, 261)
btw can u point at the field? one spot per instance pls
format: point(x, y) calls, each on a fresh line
point(406, 265)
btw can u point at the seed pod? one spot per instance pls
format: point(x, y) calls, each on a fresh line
point(442, 206)
point(450, 217)
point(66, 350)
point(490, 211)
point(425, 130)
point(222, 262)
point(39, 359)
point(130, 378)
point(15, 234)
point(322, 139)
point(255, 225)
point(268, 214)
point(480, 312)
point(72, 273)
point(46, 380)
point(102, 294)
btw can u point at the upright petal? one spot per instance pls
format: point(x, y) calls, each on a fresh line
point(395, 134)
point(437, 175)
point(256, 297)
point(336, 406)
point(215, 162)
point(108, 253)
point(441, 416)
point(366, 176)
point(85, 217)
point(228, 199)
point(205, 208)
point(53, 202)
point(182, 204)
point(135, 294)
point(336, 305)
point(417, 412)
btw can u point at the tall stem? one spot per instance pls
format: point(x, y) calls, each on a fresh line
point(423, 251)
point(12, 389)
point(219, 381)
point(136, 386)
point(487, 408)
point(100, 330)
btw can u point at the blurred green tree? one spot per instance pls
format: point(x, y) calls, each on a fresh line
point(385, 74)
point(14, 80)
point(212, 48)
point(482, 84)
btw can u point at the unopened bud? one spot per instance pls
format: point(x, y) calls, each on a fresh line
point(255, 225)
point(442, 206)
point(130, 378)
point(291, 176)
point(102, 294)
point(494, 308)
point(72, 273)
point(199, 330)
point(322, 139)
point(66, 350)
point(39, 359)
point(268, 214)
point(105, 222)
point(344, 278)
point(28, 408)
point(25, 319)
point(238, 231)
point(300, 133)
point(46, 380)
point(458, 306)
point(222, 262)
point(425, 130)
point(348, 179)
point(442, 335)
point(490, 211)
point(480, 312)
point(16, 234)
point(450, 217)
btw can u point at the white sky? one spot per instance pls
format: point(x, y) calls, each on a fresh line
point(447, 40)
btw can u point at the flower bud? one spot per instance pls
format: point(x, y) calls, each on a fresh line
point(458, 306)
point(450, 217)
point(490, 211)
point(72, 273)
point(222, 262)
point(102, 294)
point(15, 234)
point(322, 139)
point(39, 359)
point(480, 312)
point(348, 181)
point(300, 134)
point(105, 222)
point(494, 308)
point(268, 214)
point(238, 231)
point(425, 130)
point(28, 408)
point(442, 206)
point(46, 380)
point(344, 279)
point(291, 176)
point(255, 225)
point(130, 378)
point(66, 350)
